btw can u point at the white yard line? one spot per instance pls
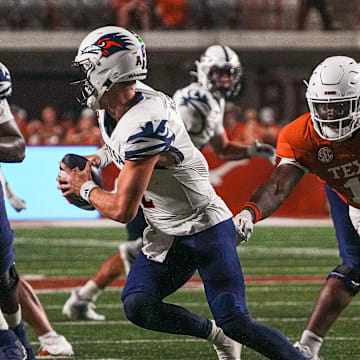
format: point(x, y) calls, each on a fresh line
point(272, 221)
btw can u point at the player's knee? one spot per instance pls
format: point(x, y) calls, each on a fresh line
point(8, 282)
point(225, 305)
point(349, 276)
point(138, 308)
point(240, 326)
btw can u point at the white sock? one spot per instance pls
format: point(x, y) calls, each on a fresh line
point(213, 331)
point(3, 324)
point(90, 291)
point(13, 320)
point(311, 340)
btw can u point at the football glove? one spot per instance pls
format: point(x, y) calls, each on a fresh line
point(244, 225)
point(17, 203)
point(257, 149)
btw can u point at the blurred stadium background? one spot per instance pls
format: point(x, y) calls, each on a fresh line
point(278, 45)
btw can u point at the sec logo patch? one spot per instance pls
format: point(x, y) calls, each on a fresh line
point(325, 155)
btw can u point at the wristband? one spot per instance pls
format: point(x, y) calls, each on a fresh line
point(255, 208)
point(86, 189)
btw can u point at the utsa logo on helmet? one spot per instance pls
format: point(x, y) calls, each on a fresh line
point(109, 44)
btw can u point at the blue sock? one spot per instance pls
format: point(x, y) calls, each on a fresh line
point(263, 339)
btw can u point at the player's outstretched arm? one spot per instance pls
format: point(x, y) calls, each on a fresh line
point(267, 198)
point(230, 150)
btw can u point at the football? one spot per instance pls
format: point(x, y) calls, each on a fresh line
point(73, 161)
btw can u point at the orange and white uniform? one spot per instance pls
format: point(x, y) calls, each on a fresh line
point(335, 163)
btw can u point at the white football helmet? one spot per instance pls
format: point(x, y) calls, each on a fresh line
point(221, 59)
point(109, 55)
point(333, 97)
point(5, 82)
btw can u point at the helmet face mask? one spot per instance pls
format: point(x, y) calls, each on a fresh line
point(219, 70)
point(333, 97)
point(225, 79)
point(106, 56)
point(334, 120)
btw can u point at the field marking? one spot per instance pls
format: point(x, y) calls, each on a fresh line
point(69, 242)
point(182, 340)
point(102, 222)
point(258, 319)
point(311, 251)
point(119, 305)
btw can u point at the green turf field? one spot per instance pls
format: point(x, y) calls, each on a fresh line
point(61, 252)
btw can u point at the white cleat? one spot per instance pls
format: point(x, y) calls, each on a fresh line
point(305, 350)
point(129, 250)
point(226, 348)
point(54, 345)
point(77, 308)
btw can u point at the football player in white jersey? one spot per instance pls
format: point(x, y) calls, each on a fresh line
point(201, 105)
point(189, 227)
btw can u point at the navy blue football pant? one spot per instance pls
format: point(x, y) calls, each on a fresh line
point(213, 253)
point(346, 235)
point(136, 227)
point(7, 251)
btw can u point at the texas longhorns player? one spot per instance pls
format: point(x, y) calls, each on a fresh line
point(325, 142)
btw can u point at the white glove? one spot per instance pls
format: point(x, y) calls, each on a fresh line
point(244, 225)
point(257, 149)
point(17, 203)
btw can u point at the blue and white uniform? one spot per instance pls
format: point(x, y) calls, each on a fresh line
point(202, 112)
point(179, 199)
point(7, 251)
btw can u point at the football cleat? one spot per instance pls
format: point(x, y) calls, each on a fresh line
point(305, 350)
point(226, 348)
point(11, 347)
point(77, 308)
point(129, 250)
point(54, 345)
point(20, 331)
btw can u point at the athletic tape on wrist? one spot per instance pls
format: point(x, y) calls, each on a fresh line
point(255, 208)
point(86, 189)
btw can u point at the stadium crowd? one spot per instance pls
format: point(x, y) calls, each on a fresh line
point(180, 14)
point(51, 129)
point(81, 129)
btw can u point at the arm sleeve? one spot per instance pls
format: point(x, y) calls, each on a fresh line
point(104, 155)
point(283, 147)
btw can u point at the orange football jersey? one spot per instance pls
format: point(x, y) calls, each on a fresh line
point(335, 163)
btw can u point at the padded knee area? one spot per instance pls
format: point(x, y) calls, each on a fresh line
point(139, 308)
point(8, 282)
point(349, 276)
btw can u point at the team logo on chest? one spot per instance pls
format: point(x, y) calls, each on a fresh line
point(325, 155)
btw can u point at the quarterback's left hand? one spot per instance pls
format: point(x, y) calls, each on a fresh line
point(17, 203)
point(257, 149)
point(244, 225)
